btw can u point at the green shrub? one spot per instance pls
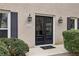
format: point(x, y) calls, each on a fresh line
point(3, 49)
point(20, 47)
point(16, 47)
point(71, 40)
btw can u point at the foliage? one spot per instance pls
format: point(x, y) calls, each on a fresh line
point(16, 47)
point(71, 40)
point(3, 49)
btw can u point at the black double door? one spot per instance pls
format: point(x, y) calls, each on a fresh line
point(43, 30)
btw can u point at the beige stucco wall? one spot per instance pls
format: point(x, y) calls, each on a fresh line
point(26, 31)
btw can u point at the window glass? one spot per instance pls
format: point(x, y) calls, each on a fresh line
point(3, 20)
point(70, 23)
point(3, 33)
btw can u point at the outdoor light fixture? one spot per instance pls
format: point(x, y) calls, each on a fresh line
point(60, 20)
point(29, 18)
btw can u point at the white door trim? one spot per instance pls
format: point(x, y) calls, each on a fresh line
point(54, 19)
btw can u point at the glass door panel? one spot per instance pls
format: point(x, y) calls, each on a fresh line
point(49, 30)
point(39, 30)
point(44, 30)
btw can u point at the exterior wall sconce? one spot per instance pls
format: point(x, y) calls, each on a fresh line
point(29, 18)
point(60, 20)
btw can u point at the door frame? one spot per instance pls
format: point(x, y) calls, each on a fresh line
point(54, 18)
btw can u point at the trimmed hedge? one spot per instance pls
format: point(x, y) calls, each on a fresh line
point(16, 47)
point(71, 40)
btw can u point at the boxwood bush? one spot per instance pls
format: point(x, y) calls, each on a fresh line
point(16, 47)
point(3, 49)
point(71, 40)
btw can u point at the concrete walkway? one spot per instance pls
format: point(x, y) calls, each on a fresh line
point(58, 51)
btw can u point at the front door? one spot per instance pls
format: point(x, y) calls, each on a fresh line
point(43, 30)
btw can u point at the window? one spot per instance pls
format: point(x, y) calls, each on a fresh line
point(4, 24)
point(72, 23)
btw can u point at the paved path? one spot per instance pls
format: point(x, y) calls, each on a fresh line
point(58, 51)
point(62, 54)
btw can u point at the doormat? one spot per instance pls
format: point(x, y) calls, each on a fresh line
point(47, 47)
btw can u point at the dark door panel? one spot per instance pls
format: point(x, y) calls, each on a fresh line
point(48, 30)
point(39, 40)
point(39, 30)
point(49, 39)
